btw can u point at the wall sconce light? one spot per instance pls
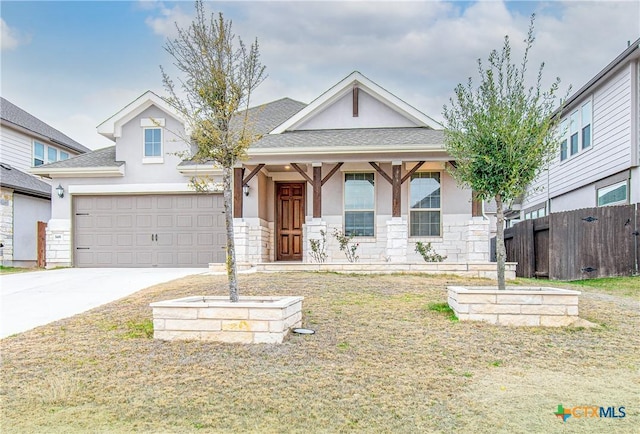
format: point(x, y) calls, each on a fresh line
point(60, 191)
point(245, 189)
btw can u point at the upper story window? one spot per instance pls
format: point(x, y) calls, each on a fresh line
point(38, 153)
point(52, 155)
point(46, 154)
point(576, 131)
point(563, 144)
point(586, 124)
point(425, 203)
point(359, 204)
point(152, 140)
point(615, 194)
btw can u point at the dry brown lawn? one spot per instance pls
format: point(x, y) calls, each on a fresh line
point(381, 361)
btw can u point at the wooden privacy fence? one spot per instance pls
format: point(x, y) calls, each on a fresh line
point(579, 244)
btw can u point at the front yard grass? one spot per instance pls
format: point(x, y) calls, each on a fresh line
point(386, 357)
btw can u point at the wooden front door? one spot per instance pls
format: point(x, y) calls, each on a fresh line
point(289, 220)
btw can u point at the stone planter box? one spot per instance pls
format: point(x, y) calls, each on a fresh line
point(252, 320)
point(515, 306)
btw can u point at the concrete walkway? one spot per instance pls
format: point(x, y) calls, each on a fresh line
point(36, 298)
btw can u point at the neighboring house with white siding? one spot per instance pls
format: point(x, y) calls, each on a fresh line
point(357, 159)
point(599, 158)
point(25, 199)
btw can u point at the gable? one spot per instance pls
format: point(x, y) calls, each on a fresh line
point(112, 127)
point(342, 106)
point(372, 113)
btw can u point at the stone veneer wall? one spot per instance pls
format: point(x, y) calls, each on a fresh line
point(463, 240)
point(6, 225)
point(59, 243)
point(515, 306)
point(252, 320)
point(253, 240)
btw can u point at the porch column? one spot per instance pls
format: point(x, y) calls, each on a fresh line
point(476, 205)
point(317, 190)
point(238, 174)
point(396, 185)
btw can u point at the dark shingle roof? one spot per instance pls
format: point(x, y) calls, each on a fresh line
point(105, 157)
point(370, 137)
point(11, 113)
point(266, 117)
point(23, 182)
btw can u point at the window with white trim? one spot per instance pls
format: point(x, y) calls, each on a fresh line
point(359, 204)
point(52, 155)
point(46, 154)
point(38, 153)
point(576, 131)
point(615, 194)
point(153, 142)
point(563, 144)
point(425, 204)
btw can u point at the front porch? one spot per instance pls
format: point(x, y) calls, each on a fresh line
point(466, 269)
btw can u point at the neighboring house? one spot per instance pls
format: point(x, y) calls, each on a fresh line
point(25, 142)
point(598, 161)
point(357, 159)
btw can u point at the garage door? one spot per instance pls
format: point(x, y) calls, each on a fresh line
point(149, 230)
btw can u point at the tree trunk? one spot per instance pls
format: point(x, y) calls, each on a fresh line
point(501, 251)
point(232, 273)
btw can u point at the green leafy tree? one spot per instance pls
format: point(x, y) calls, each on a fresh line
point(501, 133)
point(219, 75)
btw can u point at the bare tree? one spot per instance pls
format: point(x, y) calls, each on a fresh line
point(219, 74)
point(501, 133)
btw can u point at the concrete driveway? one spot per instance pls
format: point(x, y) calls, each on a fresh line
point(40, 297)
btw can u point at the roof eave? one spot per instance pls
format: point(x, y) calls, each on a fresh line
point(28, 191)
point(199, 170)
point(75, 172)
point(319, 150)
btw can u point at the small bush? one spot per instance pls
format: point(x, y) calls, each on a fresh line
point(427, 252)
point(349, 249)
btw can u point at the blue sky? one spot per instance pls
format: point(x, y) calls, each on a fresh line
point(74, 64)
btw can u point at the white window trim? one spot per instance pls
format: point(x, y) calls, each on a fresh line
point(566, 134)
point(425, 237)
point(604, 190)
point(152, 124)
point(33, 153)
point(360, 238)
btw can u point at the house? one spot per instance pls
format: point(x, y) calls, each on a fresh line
point(357, 159)
point(598, 163)
point(25, 199)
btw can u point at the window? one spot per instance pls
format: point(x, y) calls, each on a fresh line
point(52, 155)
point(152, 142)
point(576, 131)
point(540, 212)
point(63, 156)
point(38, 154)
point(586, 125)
point(359, 204)
point(613, 194)
point(573, 130)
point(563, 144)
point(425, 204)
